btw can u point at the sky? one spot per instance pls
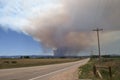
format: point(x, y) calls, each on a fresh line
point(13, 15)
point(33, 27)
point(13, 43)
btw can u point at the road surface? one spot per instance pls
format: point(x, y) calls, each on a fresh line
point(38, 72)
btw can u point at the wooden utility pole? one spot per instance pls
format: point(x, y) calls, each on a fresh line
point(98, 38)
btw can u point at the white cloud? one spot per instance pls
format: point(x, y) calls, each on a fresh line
point(16, 13)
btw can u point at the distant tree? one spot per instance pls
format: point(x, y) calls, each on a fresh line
point(24, 57)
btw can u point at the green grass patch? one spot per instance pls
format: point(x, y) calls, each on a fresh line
point(86, 71)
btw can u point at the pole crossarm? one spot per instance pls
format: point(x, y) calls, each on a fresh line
point(98, 29)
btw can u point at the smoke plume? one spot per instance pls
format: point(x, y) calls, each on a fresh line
point(70, 24)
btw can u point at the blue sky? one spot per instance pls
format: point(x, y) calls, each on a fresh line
point(13, 43)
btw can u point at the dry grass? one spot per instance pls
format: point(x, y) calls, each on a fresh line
point(87, 70)
point(15, 63)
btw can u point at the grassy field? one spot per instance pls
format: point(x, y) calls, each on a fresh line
point(86, 72)
point(15, 63)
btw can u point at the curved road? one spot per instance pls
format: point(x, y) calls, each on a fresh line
point(38, 72)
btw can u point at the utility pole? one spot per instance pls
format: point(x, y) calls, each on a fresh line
point(98, 38)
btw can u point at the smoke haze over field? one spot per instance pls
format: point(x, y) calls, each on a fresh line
point(65, 23)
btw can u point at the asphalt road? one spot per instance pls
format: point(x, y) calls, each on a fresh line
point(38, 72)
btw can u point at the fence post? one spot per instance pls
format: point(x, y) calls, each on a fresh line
point(110, 72)
point(94, 70)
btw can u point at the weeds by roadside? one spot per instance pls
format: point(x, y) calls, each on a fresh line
point(86, 72)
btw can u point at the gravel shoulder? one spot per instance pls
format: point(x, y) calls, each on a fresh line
point(69, 74)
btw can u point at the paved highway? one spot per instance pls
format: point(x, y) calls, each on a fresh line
point(38, 72)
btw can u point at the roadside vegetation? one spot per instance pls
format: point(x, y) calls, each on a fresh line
point(16, 63)
point(86, 71)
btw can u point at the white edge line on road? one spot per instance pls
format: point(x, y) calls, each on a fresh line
point(53, 72)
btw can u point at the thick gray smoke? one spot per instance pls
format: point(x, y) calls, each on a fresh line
point(89, 14)
point(70, 26)
point(57, 32)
